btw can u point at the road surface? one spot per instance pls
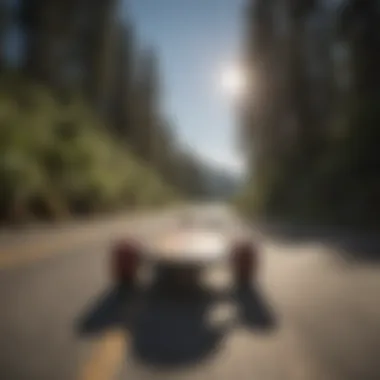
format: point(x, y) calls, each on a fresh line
point(314, 315)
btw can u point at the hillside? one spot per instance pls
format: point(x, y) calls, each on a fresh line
point(219, 183)
point(56, 159)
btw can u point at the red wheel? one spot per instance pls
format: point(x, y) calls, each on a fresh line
point(125, 262)
point(244, 262)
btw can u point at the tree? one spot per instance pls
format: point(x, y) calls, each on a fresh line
point(147, 105)
point(48, 27)
point(305, 135)
point(5, 14)
point(123, 102)
point(100, 38)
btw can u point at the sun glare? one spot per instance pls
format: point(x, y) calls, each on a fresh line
point(233, 81)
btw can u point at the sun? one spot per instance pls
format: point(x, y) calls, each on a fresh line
point(233, 80)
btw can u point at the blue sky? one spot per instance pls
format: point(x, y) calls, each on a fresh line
point(194, 39)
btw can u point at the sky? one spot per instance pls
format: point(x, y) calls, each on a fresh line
point(195, 39)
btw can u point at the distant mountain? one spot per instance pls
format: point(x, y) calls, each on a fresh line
point(218, 182)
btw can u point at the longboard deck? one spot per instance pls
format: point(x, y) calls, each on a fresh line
point(190, 246)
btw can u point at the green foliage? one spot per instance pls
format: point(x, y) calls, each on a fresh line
point(57, 159)
point(323, 166)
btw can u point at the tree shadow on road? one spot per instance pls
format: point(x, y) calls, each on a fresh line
point(353, 245)
point(171, 329)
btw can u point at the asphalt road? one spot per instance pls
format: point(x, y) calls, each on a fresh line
point(313, 314)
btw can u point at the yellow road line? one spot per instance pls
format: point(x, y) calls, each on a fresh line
point(25, 253)
point(106, 358)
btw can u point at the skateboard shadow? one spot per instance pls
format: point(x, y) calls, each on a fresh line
point(169, 329)
point(254, 311)
point(173, 332)
point(112, 309)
